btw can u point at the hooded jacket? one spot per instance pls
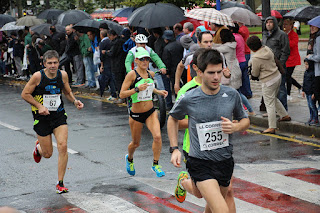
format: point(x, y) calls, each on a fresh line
point(277, 40)
point(263, 65)
point(228, 49)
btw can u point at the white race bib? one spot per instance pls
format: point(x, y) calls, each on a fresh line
point(52, 102)
point(146, 95)
point(211, 137)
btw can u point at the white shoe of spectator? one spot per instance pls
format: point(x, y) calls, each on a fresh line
point(289, 98)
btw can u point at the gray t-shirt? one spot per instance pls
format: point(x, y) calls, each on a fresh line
point(202, 108)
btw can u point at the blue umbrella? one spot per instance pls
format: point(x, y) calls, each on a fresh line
point(123, 12)
point(315, 22)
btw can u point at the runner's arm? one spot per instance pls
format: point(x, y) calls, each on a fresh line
point(172, 128)
point(28, 90)
point(68, 92)
point(178, 75)
point(230, 127)
point(183, 124)
point(125, 92)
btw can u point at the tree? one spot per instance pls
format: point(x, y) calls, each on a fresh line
point(179, 3)
point(4, 6)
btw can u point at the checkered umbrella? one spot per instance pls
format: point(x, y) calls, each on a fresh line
point(211, 15)
point(286, 4)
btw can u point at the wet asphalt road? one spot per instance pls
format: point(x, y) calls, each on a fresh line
point(98, 138)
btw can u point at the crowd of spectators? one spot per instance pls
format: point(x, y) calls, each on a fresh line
point(100, 59)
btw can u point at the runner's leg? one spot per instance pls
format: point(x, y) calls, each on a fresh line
point(191, 187)
point(153, 125)
point(45, 148)
point(230, 198)
point(61, 135)
point(214, 195)
point(136, 128)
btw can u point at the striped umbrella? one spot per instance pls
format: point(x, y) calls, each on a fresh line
point(211, 15)
point(286, 4)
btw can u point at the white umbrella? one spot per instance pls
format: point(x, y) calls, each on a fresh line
point(211, 15)
point(29, 21)
point(242, 15)
point(11, 26)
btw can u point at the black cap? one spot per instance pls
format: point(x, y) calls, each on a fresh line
point(168, 34)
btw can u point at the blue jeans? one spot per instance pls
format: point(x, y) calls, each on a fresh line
point(2, 67)
point(90, 70)
point(245, 101)
point(312, 108)
point(110, 80)
point(282, 95)
point(245, 88)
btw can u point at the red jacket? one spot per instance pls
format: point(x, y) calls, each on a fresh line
point(294, 57)
point(243, 30)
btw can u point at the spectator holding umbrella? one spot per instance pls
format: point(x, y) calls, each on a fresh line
point(294, 57)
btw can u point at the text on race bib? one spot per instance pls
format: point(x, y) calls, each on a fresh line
point(146, 94)
point(52, 102)
point(211, 136)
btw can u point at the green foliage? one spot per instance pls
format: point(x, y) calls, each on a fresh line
point(179, 3)
point(89, 6)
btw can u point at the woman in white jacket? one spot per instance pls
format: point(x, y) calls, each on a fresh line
point(228, 49)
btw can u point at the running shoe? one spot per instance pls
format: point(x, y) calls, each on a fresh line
point(36, 155)
point(179, 192)
point(130, 167)
point(157, 169)
point(61, 189)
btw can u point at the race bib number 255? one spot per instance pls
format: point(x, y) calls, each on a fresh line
point(211, 136)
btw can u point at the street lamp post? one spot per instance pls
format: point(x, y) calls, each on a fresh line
point(266, 12)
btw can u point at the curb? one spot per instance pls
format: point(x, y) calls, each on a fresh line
point(287, 126)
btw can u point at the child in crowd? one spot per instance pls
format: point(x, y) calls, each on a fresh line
point(308, 92)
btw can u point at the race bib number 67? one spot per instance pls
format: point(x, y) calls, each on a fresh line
point(211, 136)
point(52, 102)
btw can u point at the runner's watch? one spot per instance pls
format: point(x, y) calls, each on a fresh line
point(136, 89)
point(173, 148)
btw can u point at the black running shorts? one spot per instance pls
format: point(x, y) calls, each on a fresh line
point(201, 170)
point(45, 125)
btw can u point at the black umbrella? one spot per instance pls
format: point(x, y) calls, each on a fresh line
point(93, 25)
point(156, 15)
point(6, 19)
point(44, 29)
point(124, 12)
point(303, 14)
point(50, 14)
point(72, 17)
point(228, 4)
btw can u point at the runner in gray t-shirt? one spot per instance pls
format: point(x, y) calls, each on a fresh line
point(211, 109)
point(202, 108)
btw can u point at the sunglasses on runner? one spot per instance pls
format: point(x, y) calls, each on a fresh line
point(144, 59)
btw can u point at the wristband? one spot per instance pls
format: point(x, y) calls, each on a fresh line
point(74, 101)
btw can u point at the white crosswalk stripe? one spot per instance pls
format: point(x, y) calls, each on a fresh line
point(264, 174)
point(101, 203)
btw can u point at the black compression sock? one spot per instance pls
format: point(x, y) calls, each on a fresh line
point(130, 160)
point(61, 183)
point(155, 162)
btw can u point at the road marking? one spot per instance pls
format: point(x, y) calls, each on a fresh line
point(9, 126)
point(285, 138)
point(17, 129)
point(305, 174)
point(101, 203)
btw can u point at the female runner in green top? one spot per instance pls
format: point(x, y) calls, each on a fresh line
point(139, 85)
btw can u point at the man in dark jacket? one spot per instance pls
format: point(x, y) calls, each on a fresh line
point(118, 57)
point(106, 77)
point(172, 55)
point(278, 41)
point(74, 55)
